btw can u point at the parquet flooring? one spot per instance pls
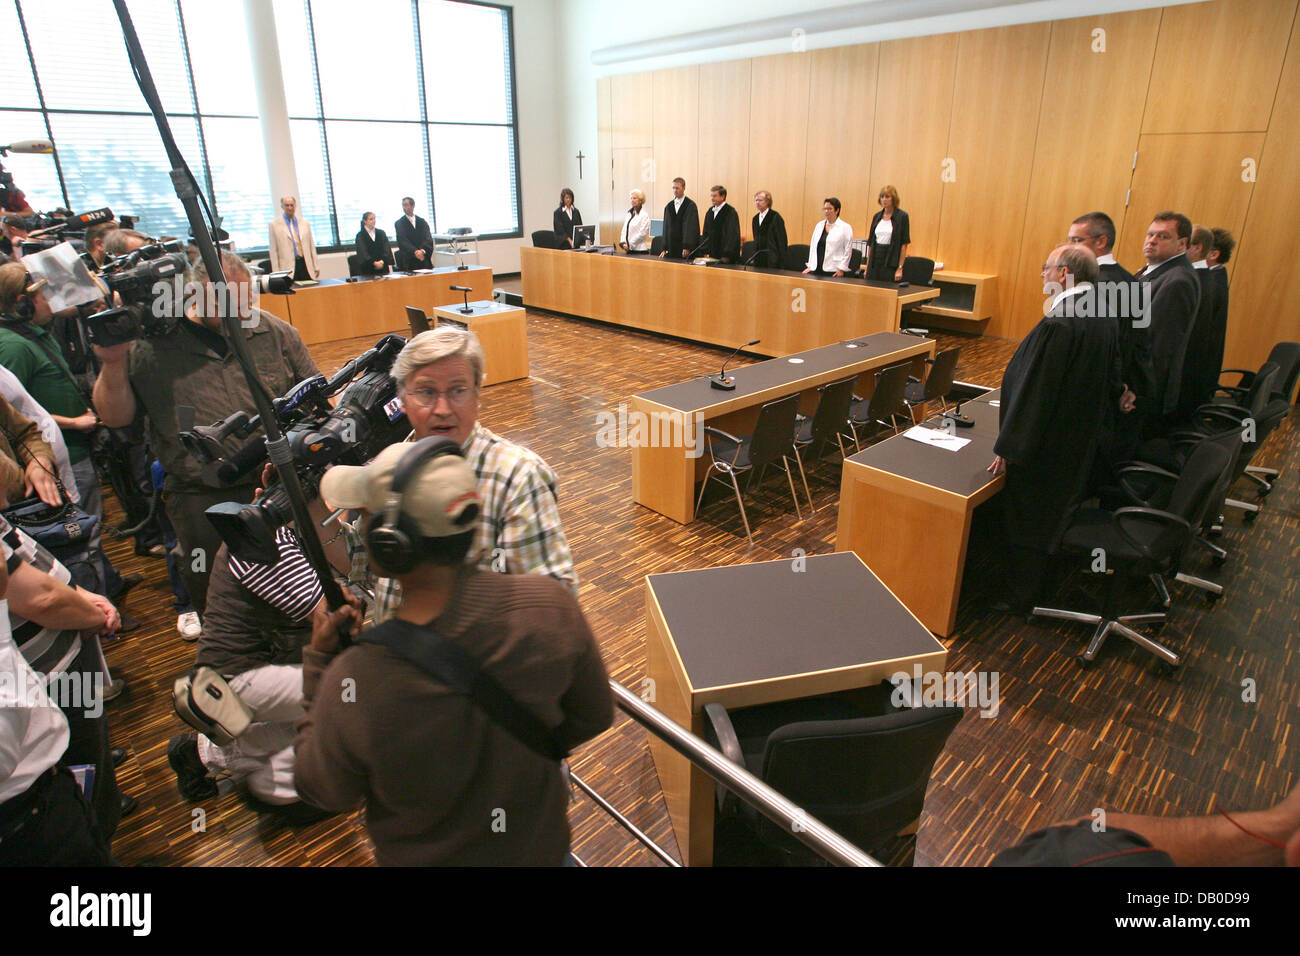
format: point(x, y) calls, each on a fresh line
point(1063, 742)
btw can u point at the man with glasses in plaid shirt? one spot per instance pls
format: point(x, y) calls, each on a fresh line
point(439, 374)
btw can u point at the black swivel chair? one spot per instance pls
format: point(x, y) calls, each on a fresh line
point(918, 270)
point(938, 382)
point(354, 264)
point(656, 245)
point(796, 257)
point(829, 422)
point(867, 417)
point(418, 320)
point(1138, 542)
point(546, 239)
point(771, 443)
point(1286, 355)
point(855, 263)
point(855, 761)
point(747, 250)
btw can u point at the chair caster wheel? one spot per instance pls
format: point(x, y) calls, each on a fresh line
point(1083, 662)
point(1250, 517)
point(1211, 600)
point(1218, 562)
point(1165, 669)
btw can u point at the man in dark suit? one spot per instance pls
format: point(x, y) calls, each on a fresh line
point(414, 240)
point(769, 232)
point(721, 227)
point(1117, 288)
point(1218, 257)
point(1171, 303)
point(681, 224)
point(1056, 395)
point(1204, 357)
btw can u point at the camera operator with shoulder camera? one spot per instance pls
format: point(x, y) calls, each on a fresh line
point(501, 672)
point(183, 374)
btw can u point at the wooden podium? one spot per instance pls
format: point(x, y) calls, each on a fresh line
point(502, 330)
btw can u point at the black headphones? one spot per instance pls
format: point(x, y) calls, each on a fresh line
point(392, 538)
point(24, 307)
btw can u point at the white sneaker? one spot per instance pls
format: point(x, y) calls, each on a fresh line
point(189, 626)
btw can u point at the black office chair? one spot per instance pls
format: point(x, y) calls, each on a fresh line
point(796, 257)
point(1137, 542)
point(419, 322)
point(546, 239)
point(938, 382)
point(656, 245)
point(1286, 355)
point(354, 264)
point(855, 761)
point(828, 423)
point(264, 266)
point(918, 270)
point(747, 250)
point(772, 441)
point(855, 263)
point(870, 416)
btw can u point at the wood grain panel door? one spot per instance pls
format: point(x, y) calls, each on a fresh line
point(841, 123)
point(1083, 158)
point(1217, 66)
point(1200, 175)
point(998, 90)
point(778, 136)
point(910, 142)
point(676, 134)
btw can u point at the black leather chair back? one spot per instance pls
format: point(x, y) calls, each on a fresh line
point(832, 409)
point(887, 399)
point(656, 245)
point(918, 270)
point(546, 239)
point(418, 320)
point(796, 257)
point(774, 431)
point(354, 264)
point(865, 778)
point(938, 382)
point(1286, 355)
point(855, 260)
point(747, 249)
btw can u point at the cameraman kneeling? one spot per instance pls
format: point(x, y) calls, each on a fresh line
point(443, 782)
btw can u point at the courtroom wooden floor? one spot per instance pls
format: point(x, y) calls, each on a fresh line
point(1063, 742)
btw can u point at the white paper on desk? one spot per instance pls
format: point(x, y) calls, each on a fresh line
point(937, 437)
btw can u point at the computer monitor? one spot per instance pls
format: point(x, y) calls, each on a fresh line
point(656, 228)
point(584, 236)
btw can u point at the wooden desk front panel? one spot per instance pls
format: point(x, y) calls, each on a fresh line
point(788, 313)
point(329, 312)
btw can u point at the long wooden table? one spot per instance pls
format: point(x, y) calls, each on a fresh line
point(906, 508)
point(785, 630)
point(719, 305)
point(338, 309)
point(668, 456)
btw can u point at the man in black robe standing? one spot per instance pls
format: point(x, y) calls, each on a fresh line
point(769, 233)
point(1056, 393)
point(681, 223)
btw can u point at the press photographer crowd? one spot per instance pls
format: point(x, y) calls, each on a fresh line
point(116, 372)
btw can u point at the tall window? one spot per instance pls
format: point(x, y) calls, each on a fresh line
point(414, 98)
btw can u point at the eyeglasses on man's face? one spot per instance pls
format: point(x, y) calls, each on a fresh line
point(457, 396)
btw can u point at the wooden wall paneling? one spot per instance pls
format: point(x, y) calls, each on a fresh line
point(676, 134)
point(605, 158)
point(1197, 174)
point(724, 131)
point(632, 100)
point(841, 122)
point(995, 111)
point(1217, 66)
point(914, 90)
point(1082, 157)
point(778, 136)
point(1265, 283)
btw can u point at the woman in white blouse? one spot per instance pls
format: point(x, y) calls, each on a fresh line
point(635, 236)
point(832, 242)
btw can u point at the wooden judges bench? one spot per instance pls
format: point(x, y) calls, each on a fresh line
point(338, 309)
point(719, 305)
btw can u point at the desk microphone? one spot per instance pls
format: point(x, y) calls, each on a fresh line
point(691, 255)
point(958, 419)
point(720, 380)
point(750, 260)
point(467, 290)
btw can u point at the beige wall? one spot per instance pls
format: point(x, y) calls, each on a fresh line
point(996, 139)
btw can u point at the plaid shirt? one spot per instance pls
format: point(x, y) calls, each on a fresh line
point(518, 527)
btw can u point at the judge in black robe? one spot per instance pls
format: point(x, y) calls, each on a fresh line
point(681, 226)
point(1056, 395)
point(769, 235)
point(1119, 293)
point(721, 237)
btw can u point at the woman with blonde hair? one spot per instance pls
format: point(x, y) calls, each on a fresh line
point(887, 239)
point(635, 236)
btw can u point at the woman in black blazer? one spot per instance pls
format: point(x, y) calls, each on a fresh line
point(565, 218)
point(374, 255)
point(887, 239)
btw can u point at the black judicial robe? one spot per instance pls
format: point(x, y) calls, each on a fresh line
point(681, 229)
point(562, 225)
point(722, 232)
point(1134, 357)
point(1175, 297)
point(368, 252)
point(408, 240)
point(770, 235)
point(1204, 358)
point(1056, 393)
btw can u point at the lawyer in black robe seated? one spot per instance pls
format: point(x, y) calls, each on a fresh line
point(769, 233)
point(1057, 393)
point(374, 254)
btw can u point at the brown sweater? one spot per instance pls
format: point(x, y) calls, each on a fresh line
point(20, 442)
point(443, 783)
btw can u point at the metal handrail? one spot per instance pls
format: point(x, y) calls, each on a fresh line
point(627, 824)
point(810, 831)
